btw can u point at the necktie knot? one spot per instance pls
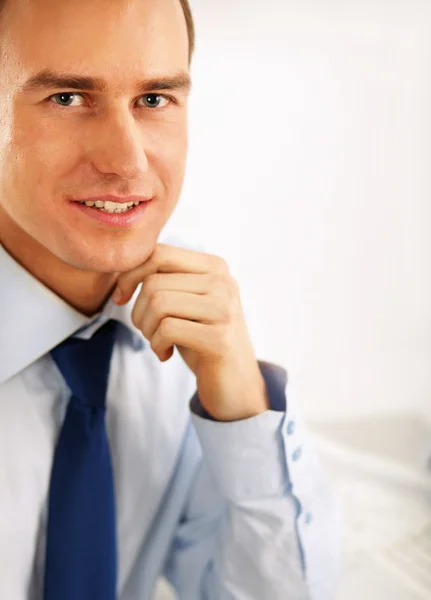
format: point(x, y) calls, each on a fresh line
point(84, 364)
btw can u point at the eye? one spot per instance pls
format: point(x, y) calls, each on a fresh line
point(65, 98)
point(155, 100)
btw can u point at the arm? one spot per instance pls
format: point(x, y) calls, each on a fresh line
point(259, 522)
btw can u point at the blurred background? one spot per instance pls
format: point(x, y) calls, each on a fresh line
point(309, 172)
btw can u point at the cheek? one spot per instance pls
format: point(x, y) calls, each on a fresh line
point(47, 149)
point(169, 161)
point(31, 196)
point(37, 158)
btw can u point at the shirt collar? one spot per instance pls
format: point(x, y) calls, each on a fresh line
point(33, 319)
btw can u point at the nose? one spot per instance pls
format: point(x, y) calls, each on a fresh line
point(119, 145)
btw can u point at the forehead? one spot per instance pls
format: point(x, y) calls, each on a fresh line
point(117, 40)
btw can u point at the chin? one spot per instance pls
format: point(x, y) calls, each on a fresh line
point(101, 260)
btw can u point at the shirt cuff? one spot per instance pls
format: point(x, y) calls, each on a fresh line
point(247, 457)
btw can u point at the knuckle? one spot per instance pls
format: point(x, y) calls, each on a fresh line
point(226, 294)
point(224, 314)
point(224, 311)
point(213, 279)
point(218, 279)
point(156, 301)
point(231, 291)
point(148, 284)
point(221, 265)
point(166, 327)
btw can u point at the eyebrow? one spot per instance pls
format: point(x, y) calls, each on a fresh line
point(47, 80)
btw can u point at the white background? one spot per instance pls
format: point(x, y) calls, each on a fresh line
point(309, 171)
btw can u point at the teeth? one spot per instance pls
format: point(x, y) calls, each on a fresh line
point(111, 207)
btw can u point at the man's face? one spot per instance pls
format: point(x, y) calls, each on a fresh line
point(59, 144)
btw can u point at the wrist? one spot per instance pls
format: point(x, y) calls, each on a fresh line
point(255, 402)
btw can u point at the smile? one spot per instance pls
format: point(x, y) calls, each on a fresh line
point(111, 207)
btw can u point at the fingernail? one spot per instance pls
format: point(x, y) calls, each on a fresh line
point(117, 295)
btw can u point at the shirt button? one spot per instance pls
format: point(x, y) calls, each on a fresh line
point(290, 427)
point(297, 454)
point(308, 518)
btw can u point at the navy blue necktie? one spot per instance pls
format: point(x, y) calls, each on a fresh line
point(81, 550)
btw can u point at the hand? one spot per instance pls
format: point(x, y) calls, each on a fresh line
point(189, 300)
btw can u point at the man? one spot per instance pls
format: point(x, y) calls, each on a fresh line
point(200, 470)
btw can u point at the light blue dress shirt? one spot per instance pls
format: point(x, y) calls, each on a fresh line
point(225, 511)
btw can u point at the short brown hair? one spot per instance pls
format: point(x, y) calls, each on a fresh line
point(190, 27)
point(189, 21)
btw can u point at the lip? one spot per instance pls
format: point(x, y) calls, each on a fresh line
point(119, 199)
point(115, 220)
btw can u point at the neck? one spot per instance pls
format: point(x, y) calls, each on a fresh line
point(85, 291)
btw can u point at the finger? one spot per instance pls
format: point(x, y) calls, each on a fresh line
point(206, 340)
point(179, 282)
point(169, 259)
point(163, 282)
point(200, 308)
point(222, 290)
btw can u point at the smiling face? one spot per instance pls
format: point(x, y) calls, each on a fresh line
point(121, 133)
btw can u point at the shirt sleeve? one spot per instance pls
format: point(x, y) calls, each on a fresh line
point(260, 521)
